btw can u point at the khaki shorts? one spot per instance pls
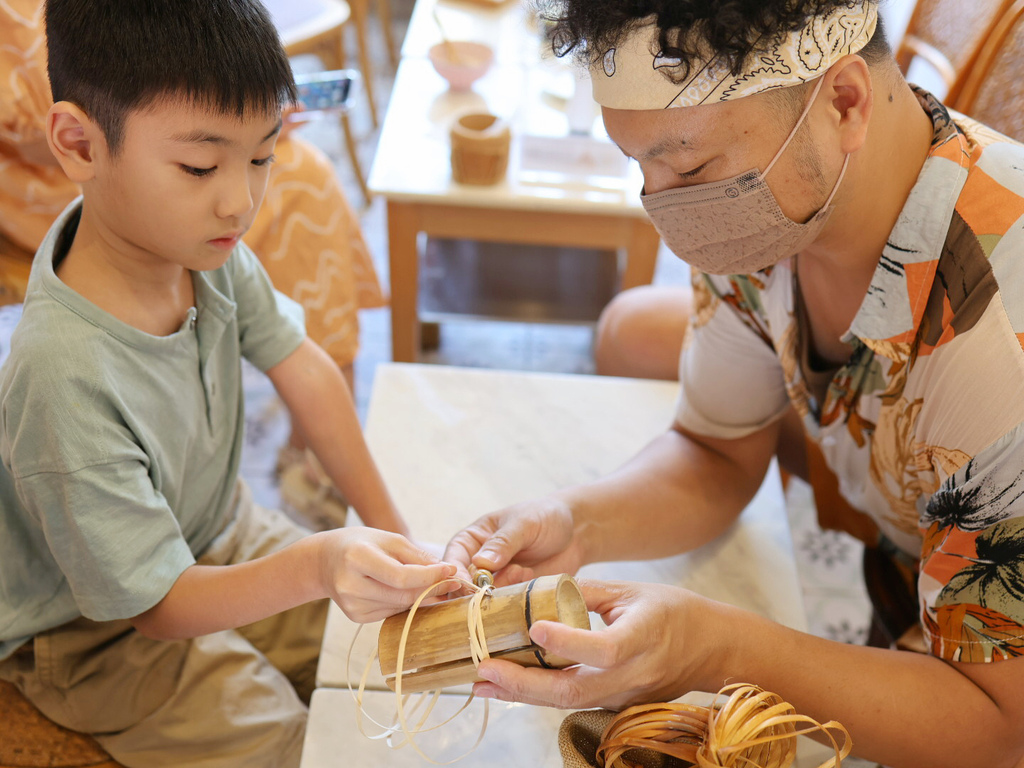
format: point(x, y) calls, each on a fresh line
point(233, 698)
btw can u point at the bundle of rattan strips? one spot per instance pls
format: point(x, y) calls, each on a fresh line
point(753, 728)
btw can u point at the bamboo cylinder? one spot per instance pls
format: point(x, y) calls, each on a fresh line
point(479, 148)
point(437, 652)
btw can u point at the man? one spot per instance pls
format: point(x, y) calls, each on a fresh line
point(858, 255)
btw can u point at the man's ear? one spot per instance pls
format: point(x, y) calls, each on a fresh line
point(74, 140)
point(852, 100)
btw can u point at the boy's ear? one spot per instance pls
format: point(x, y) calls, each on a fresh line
point(74, 140)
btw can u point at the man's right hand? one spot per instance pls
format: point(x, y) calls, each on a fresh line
point(519, 542)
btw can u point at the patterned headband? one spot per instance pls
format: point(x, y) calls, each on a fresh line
point(636, 73)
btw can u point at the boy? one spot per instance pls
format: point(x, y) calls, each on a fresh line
point(131, 553)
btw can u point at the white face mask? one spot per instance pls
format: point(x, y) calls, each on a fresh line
point(735, 226)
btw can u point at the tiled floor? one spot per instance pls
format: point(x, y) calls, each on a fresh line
point(829, 563)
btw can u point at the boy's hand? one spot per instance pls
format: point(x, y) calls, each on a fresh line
point(373, 574)
point(430, 547)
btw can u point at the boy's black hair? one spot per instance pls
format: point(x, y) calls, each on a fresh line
point(733, 29)
point(110, 57)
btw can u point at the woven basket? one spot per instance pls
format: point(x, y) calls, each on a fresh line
point(580, 734)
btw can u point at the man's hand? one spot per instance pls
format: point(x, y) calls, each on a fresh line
point(646, 653)
point(519, 542)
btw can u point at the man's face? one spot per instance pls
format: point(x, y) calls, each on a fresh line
point(696, 145)
point(185, 185)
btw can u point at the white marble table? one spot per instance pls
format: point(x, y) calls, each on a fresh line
point(454, 443)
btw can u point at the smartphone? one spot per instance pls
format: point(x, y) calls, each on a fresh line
point(325, 93)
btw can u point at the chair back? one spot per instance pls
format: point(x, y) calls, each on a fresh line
point(993, 91)
point(948, 35)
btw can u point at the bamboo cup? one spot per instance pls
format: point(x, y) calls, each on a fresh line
point(437, 651)
point(480, 145)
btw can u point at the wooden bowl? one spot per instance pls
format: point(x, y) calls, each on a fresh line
point(461, 62)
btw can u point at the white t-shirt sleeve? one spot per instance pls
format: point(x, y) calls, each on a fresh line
point(732, 379)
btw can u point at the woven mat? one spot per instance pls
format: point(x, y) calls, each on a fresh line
point(31, 741)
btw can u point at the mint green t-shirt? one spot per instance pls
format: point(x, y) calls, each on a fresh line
point(120, 449)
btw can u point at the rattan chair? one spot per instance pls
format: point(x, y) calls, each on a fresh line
point(992, 92)
point(29, 740)
point(948, 35)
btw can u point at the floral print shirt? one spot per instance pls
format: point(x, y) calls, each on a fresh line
point(924, 425)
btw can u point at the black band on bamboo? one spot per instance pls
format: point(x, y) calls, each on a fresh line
point(529, 623)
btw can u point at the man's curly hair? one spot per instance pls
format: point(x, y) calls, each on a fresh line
point(733, 29)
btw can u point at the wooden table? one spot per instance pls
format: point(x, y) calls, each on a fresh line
point(412, 171)
point(455, 443)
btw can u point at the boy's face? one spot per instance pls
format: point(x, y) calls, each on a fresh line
point(185, 184)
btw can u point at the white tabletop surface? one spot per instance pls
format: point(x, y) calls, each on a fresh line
point(454, 443)
point(413, 159)
point(517, 736)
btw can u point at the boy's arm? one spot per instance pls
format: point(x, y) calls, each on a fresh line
point(370, 574)
point(321, 407)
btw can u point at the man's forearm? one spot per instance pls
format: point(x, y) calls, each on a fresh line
point(674, 496)
point(903, 709)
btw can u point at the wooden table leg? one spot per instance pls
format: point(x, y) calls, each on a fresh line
point(360, 11)
point(403, 257)
point(353, 156)
point(384, 13)
point(641, 254)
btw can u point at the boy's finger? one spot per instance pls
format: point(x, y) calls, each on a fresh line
point(397, 575)
point(441, 593)
point(375, 595)
point(410, 553)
